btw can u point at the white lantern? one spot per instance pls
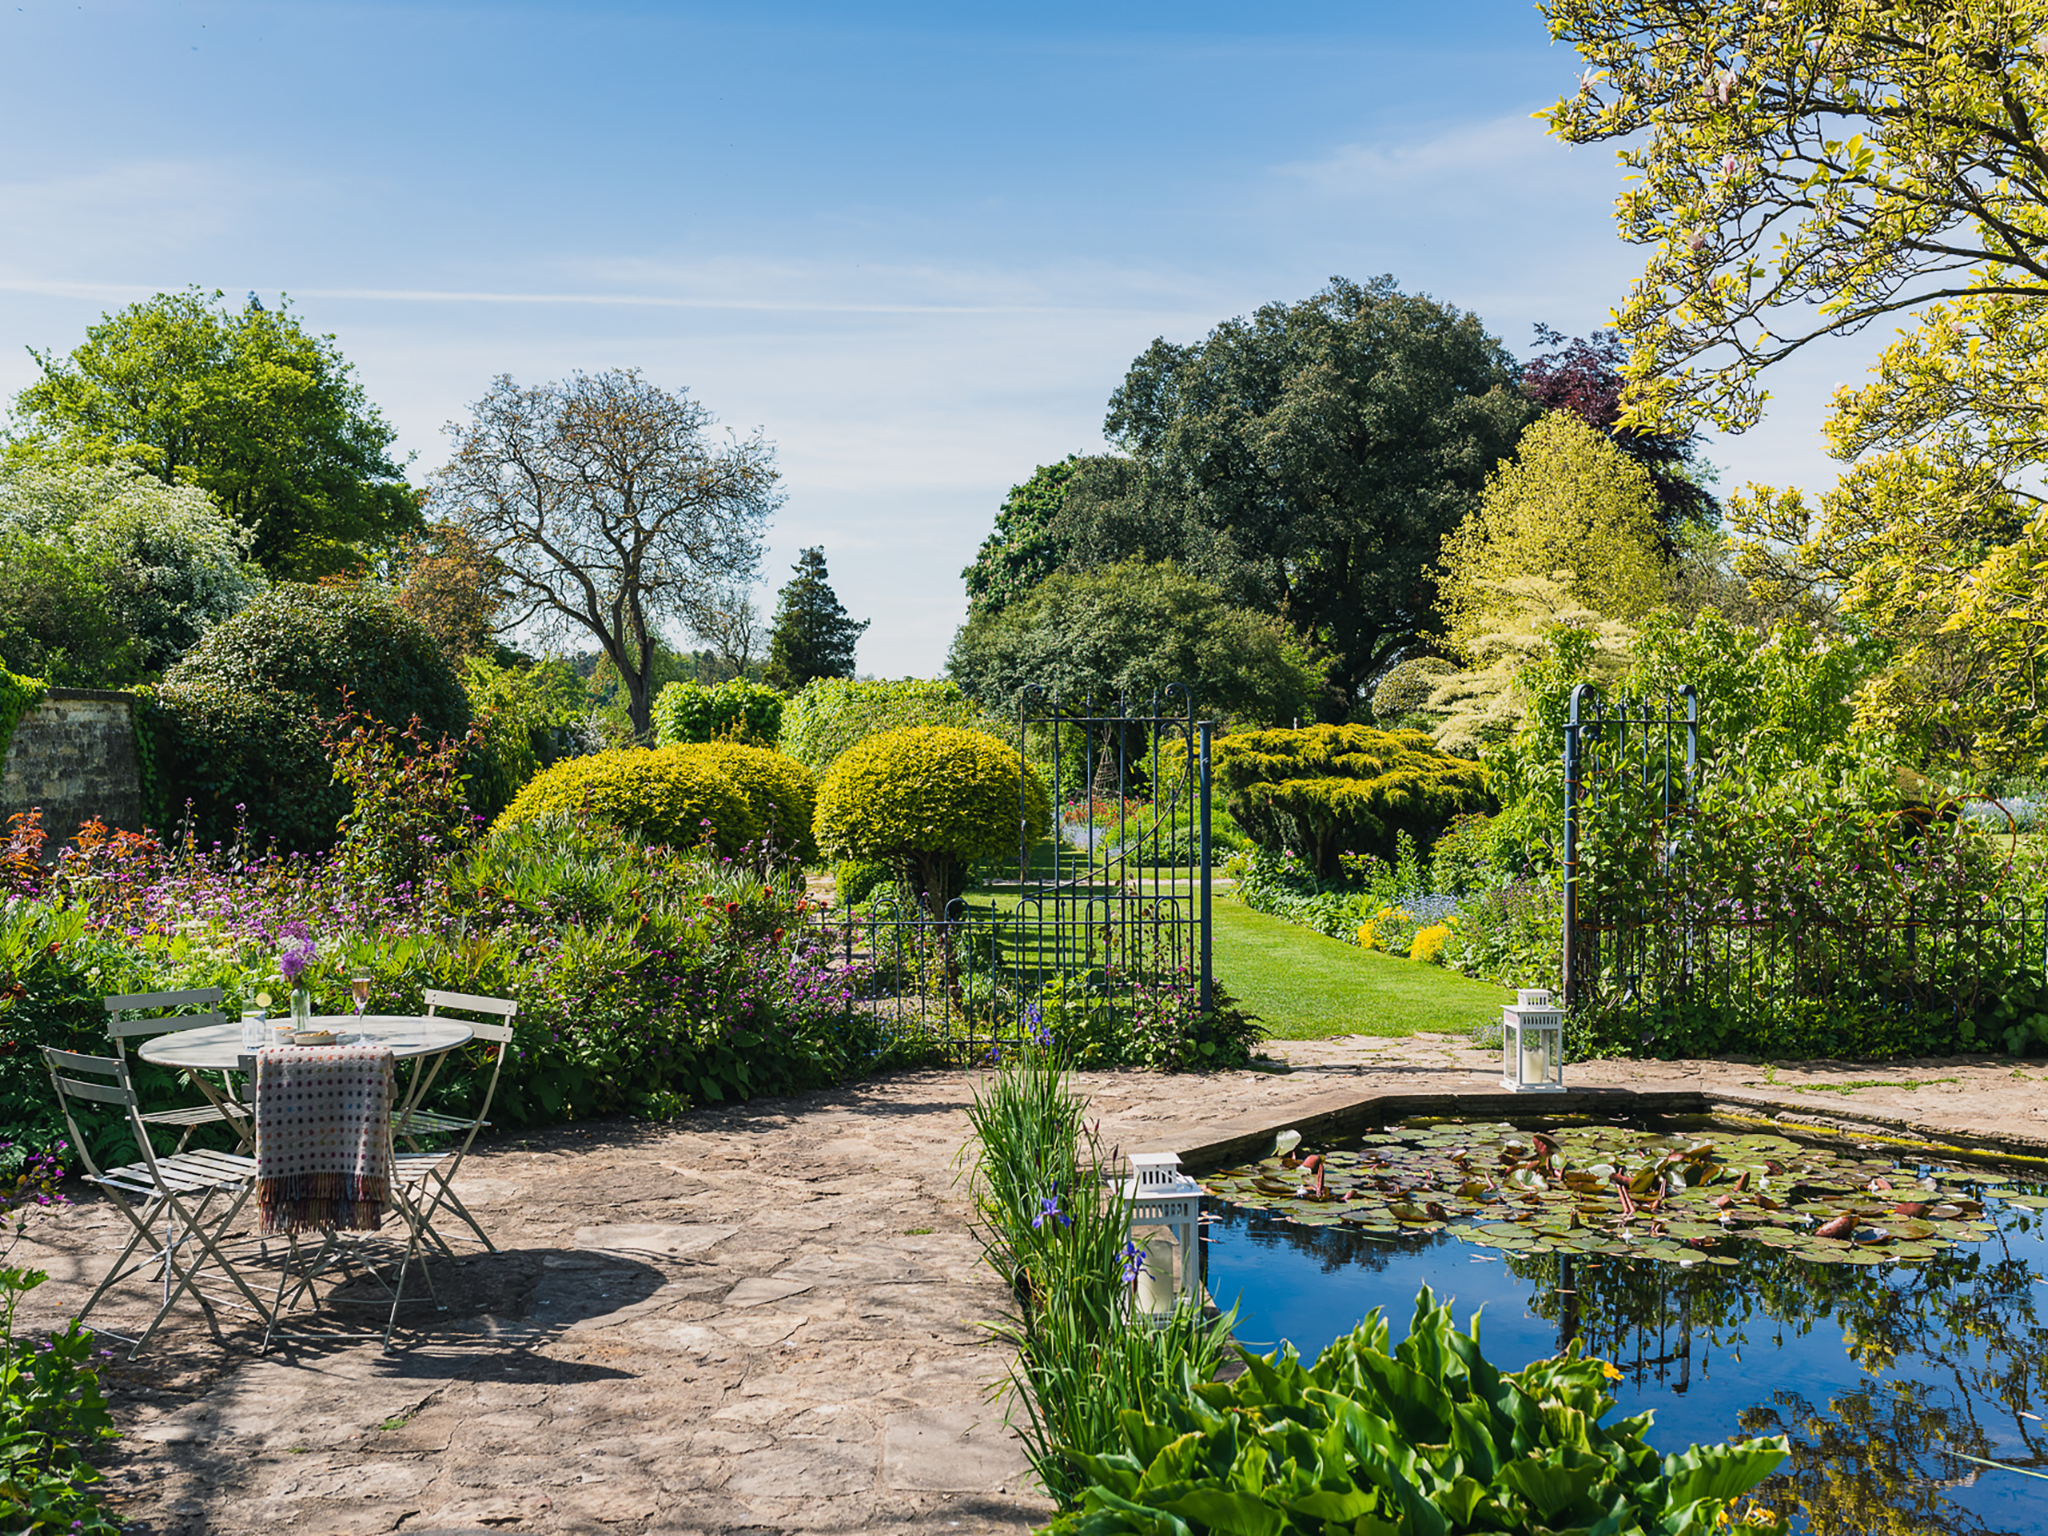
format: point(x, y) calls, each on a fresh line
point(1158, 1195)
point(1532, 1043)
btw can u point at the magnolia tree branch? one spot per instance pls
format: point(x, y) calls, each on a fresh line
point(1800, 168)
point(611, 509)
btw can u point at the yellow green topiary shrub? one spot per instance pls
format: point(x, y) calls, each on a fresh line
point(781, 792)
point(660, 796)
point(930, 800)
point(1327, 790)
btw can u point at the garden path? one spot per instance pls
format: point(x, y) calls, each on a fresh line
point(760, 1318)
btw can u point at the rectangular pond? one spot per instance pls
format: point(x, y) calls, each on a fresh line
point(1883, 1306)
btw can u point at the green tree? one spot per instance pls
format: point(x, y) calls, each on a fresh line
point(1023, 549)
point(1314, 456)
point(1131, 631)
point(812, 636)
point(172, 562)
point(57, 618)
point(245, 403)
point(930, 800)
point(1799, 170)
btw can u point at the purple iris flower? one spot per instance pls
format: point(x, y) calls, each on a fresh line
point(1049, 1210)
point(1134, 1263)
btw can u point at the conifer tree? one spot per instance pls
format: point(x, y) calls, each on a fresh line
point(812, 637)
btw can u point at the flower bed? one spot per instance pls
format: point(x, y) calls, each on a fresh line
point(648, 979)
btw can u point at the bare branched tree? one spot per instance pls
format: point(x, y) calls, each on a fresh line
point(610, 510)
point(730, 624)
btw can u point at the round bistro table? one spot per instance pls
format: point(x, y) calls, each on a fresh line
point(219, 1048)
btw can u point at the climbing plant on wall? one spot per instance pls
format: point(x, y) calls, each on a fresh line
point(18, 695)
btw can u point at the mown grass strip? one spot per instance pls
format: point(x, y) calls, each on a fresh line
point(1308, 987)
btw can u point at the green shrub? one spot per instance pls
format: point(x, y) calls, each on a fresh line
point(172, 558)
point(407, 813)
point(855, 880)
point(833, 713)
point(528, 718)
point(659, 794)
point(244, 706)
point(930, 800)
point(737, 710)
point(1326, 790)
point(1426, 1437)
point(57, 617)
point(781, 794)
point(1407, 685)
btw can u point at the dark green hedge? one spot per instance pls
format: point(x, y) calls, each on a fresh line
point(242, 710)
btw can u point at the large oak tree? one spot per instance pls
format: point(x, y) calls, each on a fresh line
point(1313, 456)
point(610, 508)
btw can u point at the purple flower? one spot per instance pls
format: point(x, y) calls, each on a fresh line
point(294, 960)
point(1134, 1263)
point(1049, 1210)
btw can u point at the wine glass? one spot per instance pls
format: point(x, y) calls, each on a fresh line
point(359, 988)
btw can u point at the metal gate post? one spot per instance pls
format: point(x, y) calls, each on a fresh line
point(1573, 756)
point(1202, 854)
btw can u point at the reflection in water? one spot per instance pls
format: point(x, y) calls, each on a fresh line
point(1886, 1379)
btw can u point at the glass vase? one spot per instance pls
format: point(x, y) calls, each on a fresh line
point(302, 1008)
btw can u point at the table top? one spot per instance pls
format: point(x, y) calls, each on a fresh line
point(218, 1047)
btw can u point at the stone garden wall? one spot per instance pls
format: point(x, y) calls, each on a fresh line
point(73, 756)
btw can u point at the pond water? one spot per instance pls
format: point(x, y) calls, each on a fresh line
point(1888, 1374)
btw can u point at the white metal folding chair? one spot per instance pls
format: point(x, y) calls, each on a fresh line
point(179, 1190)
point(426, 1179)
point(158, 1018)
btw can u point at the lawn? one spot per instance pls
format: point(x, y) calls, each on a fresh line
point(1306, 986)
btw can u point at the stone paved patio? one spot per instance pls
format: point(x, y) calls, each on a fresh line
point(761, 1318)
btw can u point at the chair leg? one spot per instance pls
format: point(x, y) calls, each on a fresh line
point(209, 1249)
point(444, 1195)
point(141, 1234)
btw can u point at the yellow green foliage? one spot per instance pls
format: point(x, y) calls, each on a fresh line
point(780, 791)
point(930, 799)
point(1570, 505)
point(1483, 703)
point(1326, 790)
point(1797, 170)
point(659, 795)
point(1932, 539)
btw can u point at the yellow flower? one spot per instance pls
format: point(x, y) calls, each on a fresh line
point(1428, 944)
point(1366, 939)
point(1607, 1369)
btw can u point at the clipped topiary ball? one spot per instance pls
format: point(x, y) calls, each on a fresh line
point(659, 796)
point(243, 707)
point(930, 800)
point(781, 792)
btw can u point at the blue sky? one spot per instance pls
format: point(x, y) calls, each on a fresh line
point(917, 245)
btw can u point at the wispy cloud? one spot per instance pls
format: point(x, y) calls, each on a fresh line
point(1512, 150)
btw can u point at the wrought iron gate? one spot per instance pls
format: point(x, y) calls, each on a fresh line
point(1681, 908)
point(1111, 912)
